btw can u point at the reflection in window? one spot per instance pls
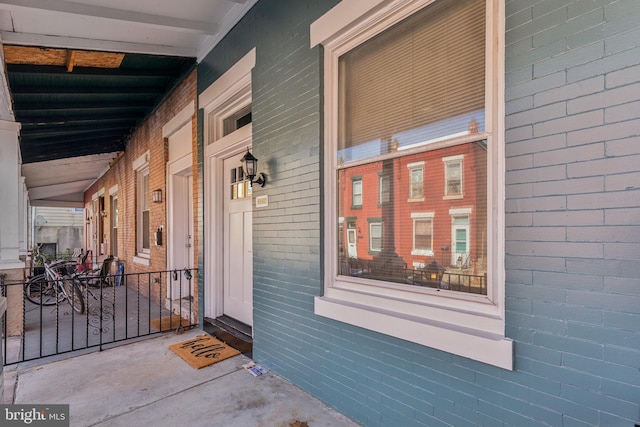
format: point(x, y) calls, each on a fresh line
point(383, 189)
point(411, 102)
point(422, 234)
point(453, 176)
point(375, 236)
point(416, 179)
point(356, 200)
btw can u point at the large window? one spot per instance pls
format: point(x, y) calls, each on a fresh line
point(114, 225)
point(410, 90)
point(411, 105)
point(143, 226)
point(143, 211)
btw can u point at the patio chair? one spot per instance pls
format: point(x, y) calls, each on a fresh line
point(100, 277)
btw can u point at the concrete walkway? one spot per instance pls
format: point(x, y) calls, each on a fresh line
point(145, 383)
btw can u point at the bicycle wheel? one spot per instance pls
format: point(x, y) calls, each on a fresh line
point(73, 294)
point(40, 291)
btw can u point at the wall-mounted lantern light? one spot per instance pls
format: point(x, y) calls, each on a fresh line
point(157, 196)
point(250, 166)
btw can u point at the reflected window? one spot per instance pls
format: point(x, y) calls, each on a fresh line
point(356, 195)
point(453, 176)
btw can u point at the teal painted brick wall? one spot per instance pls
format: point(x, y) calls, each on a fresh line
point(572, 218)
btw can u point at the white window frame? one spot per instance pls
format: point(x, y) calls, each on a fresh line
point(373, 224)
point(472, 326)
point(447, 161)
point(354, 181)
point(460, 213)
point(422, 216)
point(417, 166)
point(384, 194)
point(113, 219)
point(141, 169)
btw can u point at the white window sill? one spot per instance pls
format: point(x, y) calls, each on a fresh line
point(142, 260)
point(421, 252)
point(454, 197)
point(482, 346)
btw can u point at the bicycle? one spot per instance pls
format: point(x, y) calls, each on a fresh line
point(53, 286)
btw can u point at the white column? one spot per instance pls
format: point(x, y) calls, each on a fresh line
point(11, 195)
point(23, 200)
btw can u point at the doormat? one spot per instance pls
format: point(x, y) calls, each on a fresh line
point(203, 350)
point(169, 323)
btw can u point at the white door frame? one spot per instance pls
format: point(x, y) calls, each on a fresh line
point(214, 154)
point(352, 248)
point(460, 213)
point(180, 162)
point(180, 167)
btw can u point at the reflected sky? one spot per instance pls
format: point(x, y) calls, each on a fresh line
point(473, 122)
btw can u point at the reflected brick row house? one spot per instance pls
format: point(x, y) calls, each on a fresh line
point(439, 203)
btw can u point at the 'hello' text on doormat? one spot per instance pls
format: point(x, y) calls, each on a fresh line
point(203, 350)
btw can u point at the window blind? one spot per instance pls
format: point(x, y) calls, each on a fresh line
point(422, 78)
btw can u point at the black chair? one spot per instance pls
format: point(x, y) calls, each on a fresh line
point(100, 277)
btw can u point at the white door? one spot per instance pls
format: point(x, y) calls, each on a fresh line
point(460, 242)
point(181, 232)
point(352, 240)
point(238, 254)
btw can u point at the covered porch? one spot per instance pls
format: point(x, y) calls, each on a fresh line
point(145, 383)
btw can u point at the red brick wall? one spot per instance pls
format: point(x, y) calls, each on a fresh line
point(475, 193)
point(148, 136)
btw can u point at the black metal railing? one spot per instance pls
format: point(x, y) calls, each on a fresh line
point(432, 275)
point(116, 309)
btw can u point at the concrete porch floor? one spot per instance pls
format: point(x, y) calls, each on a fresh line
point(145, 383)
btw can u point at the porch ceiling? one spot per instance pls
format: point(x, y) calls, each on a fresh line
point(83, 74)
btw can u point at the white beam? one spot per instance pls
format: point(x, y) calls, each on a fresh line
point(56, 190)
point(26, 39)
point(63, 6)
point(56, 204)
point(9, 195)
point(233, 17)
point(6, 110)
